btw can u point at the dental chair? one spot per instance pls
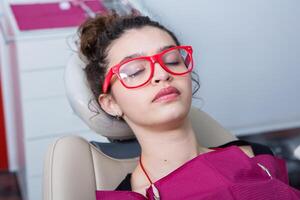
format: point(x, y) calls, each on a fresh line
point(75, 168)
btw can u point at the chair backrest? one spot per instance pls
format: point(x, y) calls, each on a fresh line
point(74, 168)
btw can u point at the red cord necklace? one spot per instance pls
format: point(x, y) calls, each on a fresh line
point(154, 189)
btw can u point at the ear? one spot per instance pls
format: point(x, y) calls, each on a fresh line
point(109, 105)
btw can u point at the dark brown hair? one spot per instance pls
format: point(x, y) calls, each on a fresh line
point(96, 34)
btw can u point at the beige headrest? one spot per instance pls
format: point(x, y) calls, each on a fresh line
point(79, 95)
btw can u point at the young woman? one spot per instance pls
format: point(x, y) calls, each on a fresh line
point(137, 67)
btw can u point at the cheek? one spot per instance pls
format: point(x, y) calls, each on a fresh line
point(129, 100)
point(189, 81)
point(186, 88)
point(186, 84)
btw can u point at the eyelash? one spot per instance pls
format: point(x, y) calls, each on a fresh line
point(137, 72)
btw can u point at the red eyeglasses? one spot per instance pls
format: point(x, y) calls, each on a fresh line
point(136, 72)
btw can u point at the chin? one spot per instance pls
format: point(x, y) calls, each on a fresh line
point(173, 114)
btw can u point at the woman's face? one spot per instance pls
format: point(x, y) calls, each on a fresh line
point(137, 104)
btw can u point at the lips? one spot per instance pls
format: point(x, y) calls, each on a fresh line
point(166, 91)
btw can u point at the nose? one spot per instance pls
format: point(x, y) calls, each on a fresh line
point(160, 74)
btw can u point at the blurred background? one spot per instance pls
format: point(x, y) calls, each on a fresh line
point(246, 53)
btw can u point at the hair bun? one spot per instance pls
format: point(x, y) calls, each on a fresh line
point(90, 31)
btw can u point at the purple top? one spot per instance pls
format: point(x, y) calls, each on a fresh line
point(227, 174)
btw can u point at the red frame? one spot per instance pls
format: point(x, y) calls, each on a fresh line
point(153, 59)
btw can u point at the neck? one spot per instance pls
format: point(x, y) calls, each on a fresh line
point(168, 150)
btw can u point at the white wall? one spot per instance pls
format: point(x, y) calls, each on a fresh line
point(248, 57)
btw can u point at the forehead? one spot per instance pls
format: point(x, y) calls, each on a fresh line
point(146, 40)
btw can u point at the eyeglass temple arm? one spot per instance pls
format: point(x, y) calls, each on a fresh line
point(107, 81)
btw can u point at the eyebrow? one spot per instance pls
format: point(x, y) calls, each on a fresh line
point(140, 54)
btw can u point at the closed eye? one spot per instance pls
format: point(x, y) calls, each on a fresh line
point(136, 73)
point(173, 63)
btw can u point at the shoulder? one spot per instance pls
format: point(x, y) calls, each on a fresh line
point(251, 148)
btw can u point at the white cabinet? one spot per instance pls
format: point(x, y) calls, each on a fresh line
point(37, 110)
